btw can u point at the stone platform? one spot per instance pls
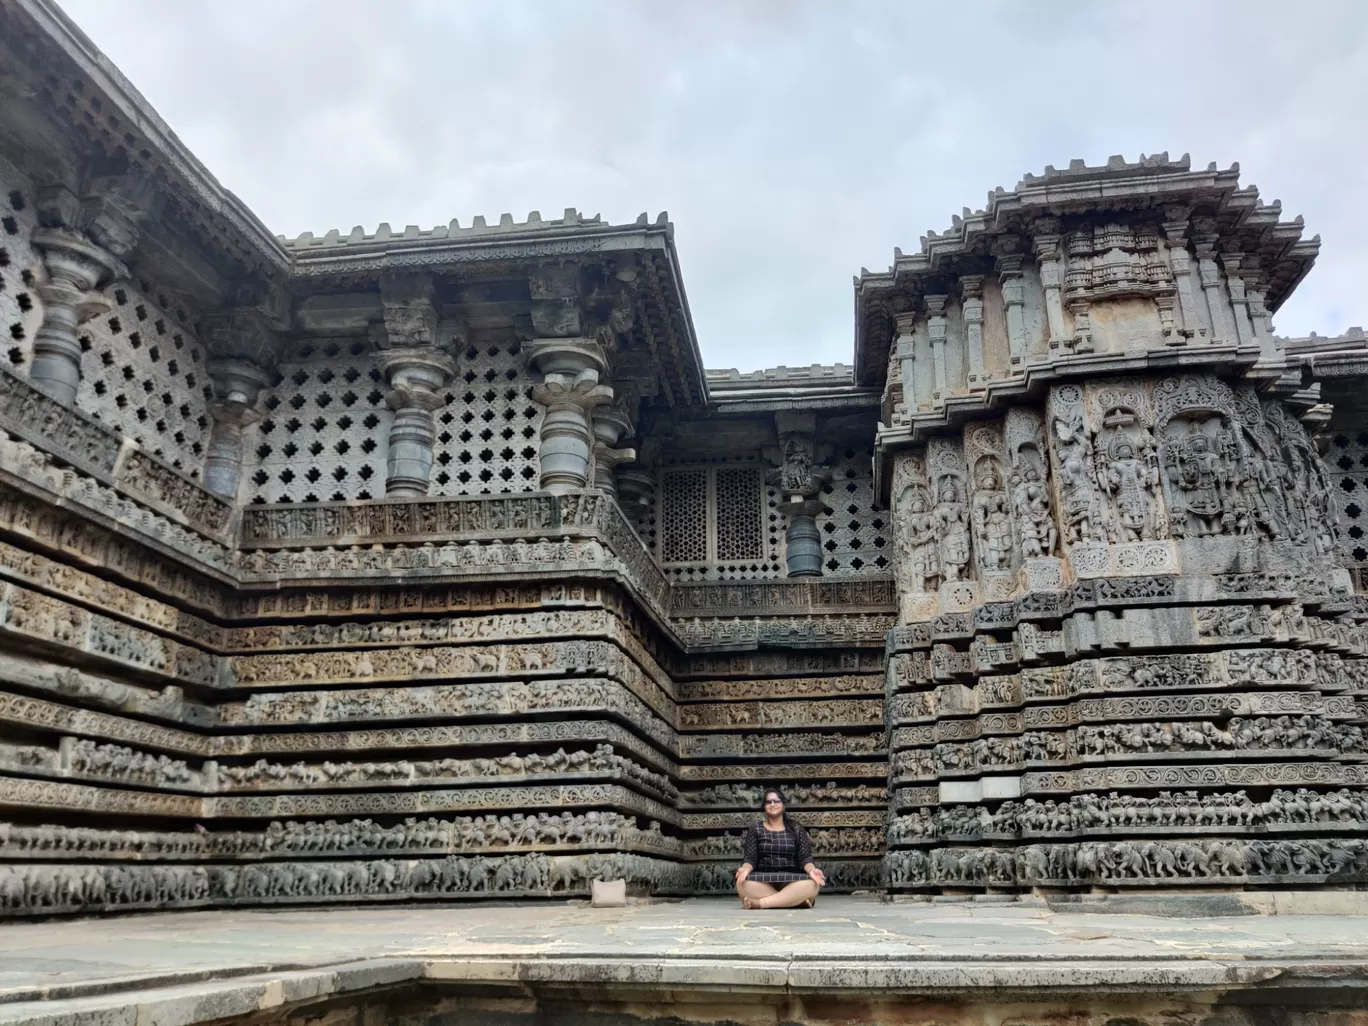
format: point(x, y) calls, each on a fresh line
point(699, 960)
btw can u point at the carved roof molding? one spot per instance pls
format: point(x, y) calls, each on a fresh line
point(1211, 199)
point(112, 118)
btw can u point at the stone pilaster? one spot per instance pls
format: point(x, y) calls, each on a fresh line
point(1239, 302)
point(937, 331)
point(1051, 257)
point(904, 344)
point(415, 376)
point(570, 391)
point(1188, 320)
point(1012, 280)
point(971, 292)
point(1217, 310)
point(237, 386)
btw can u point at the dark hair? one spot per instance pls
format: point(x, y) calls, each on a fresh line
point(791, 825)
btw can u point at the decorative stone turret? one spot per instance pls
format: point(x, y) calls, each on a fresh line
point(570, 391)
point(799, 479)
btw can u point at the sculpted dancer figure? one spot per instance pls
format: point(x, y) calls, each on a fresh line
point(778, 871)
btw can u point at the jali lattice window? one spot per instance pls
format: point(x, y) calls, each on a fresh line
point(714, 523)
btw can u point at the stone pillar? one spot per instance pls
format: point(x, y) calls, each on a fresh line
point(799, 479)
point(1014, 301)
point(237, 385)
point(971, 291)
point(610, 425)
point(904, 344)
point(936, 330)
point(415, 376)
point(1217, 310)
point(1050, 256)
point(570, 390)
point(75, 269)
point(1239, 303)
point(1175, 231)
point(82, 240)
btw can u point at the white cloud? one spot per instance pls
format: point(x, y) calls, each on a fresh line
point(791, 142)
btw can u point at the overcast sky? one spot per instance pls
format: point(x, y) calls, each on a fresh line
point(791, 142)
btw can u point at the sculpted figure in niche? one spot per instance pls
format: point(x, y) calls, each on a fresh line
point(1128, 473)
point(1259, 507)
point(992, 521)
point(1077, 497)
point(952, 522)
point(1031, 507)
point(1200, 476)
point(919, 541)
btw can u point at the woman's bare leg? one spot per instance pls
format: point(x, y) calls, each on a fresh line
point(752, 891)
point(792, 895)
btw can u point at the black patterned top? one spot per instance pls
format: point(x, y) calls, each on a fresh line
point(778, 856)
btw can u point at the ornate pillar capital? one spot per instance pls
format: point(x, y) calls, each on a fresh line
point(409, 311)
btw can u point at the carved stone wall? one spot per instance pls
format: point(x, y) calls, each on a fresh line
point(1122, 630)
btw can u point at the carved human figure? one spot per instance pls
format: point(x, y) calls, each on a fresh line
point(1128, 477)
point(992, 521)
point(919, 541)
point(1259, 507)
point(952, 522)
point(1031, 507)
point(1198, 477)
point(1077, 497)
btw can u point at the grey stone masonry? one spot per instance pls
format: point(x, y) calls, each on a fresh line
point(414, 564)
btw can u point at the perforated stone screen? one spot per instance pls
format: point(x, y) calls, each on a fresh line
point(854, 527)
point(142, 370)
point(739, 521)
point(1348, 462)
point(487, 431)
point(325, 431)
point(684, 516)
point(20, 312)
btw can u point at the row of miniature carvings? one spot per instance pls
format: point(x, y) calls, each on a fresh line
point(38, 420)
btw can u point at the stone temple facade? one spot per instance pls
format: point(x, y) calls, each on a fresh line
point(431, 563)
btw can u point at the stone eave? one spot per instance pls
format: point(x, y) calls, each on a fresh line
point(144, 138)
point(1114, 187)
point(775, 400)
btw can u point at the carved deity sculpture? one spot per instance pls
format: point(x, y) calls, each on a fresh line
point(1128, 474)
point(1199, 478)
point(1035, 525)
point(796, 477)
point(1260, 506)
point(992, 520)
point(918, 542)
point(952, 522)
point(1078, 499)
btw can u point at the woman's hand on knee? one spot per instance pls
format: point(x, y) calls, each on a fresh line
point(816, 875)
point(743, 873)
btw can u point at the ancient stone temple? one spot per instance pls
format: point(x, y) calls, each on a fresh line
point(430, 563)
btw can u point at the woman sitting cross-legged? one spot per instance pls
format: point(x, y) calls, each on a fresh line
point(778, 871)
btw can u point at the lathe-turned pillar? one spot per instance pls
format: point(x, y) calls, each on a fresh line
point(570, 391)
point(610, 426)
point(415, 377)
point(237, 386)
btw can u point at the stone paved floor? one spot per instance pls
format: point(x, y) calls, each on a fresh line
point(84, 963)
